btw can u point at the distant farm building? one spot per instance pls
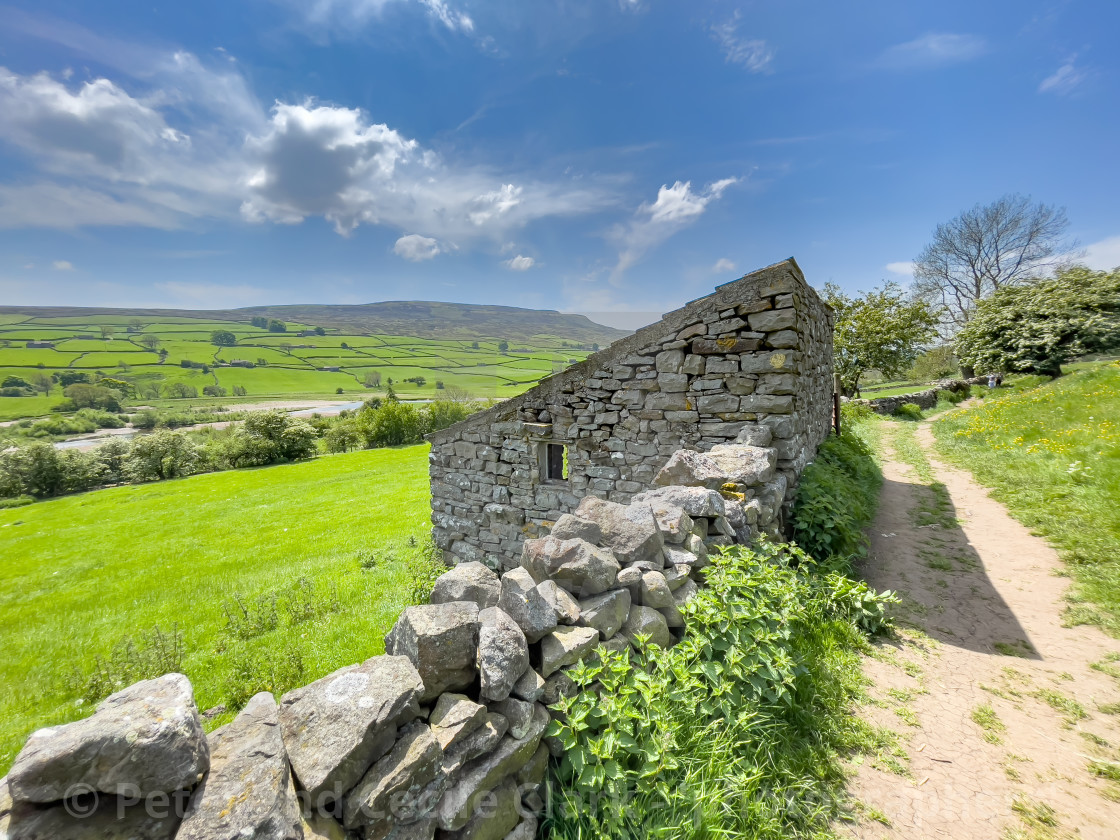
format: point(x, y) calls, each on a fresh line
point(40, 345)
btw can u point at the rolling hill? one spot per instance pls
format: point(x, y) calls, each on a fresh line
point(422, 319)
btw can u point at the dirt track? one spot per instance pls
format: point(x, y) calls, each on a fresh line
point(981, 631)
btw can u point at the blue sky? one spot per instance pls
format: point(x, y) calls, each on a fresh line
point(584, 155)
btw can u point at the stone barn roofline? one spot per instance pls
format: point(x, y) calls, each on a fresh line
point(726, 295)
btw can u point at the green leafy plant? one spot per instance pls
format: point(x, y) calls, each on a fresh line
point(735, 731)
point(836, 499)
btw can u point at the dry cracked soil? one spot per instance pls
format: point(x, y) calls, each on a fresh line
point(997, 720)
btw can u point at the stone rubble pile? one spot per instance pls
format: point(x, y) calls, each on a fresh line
point(443, 735)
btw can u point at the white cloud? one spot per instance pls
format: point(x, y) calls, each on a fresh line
point(448, 17)
point(723, 266)
point(676, 208)
point(1064, 80)
point(906, 269)
point(198, 144)
point(345, 15)
point(1103, 255)
point(752, 53)
point(934, 49)
point(520, 263)
point(318, 160)
point(62, 265)
point(416, 248)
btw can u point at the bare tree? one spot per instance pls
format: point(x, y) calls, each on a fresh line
point(986, 248)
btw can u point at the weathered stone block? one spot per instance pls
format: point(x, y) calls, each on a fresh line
point(467, 582)
point(629, 531)
point(336, 727)
point(783, 338)
point(145, 739)
point(441, 640)
point(723, 346)
point(248, 790)
point(605, 613)
point(773, 320)
point(566, 646)
point(768, 403)
point(503, 653)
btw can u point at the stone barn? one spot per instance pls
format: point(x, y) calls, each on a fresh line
point(749, 363)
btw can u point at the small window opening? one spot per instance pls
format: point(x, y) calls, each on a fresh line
point(556, 462)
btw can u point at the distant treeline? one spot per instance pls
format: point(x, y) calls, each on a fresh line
point(40, 470)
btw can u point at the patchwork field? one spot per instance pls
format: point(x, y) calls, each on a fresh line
point(150, 353)
point(272, 576)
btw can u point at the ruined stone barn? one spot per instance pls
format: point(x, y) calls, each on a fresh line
point(751, 362)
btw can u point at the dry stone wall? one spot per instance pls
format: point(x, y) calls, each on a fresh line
point(924, 399)
point(444, 735)
point(750, 362)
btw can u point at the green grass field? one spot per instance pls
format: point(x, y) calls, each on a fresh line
point(1051, 453)
point(84, 572)
point(293, 362)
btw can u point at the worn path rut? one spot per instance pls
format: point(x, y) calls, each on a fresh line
point(1005, 729)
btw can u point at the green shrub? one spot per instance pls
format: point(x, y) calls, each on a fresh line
point(908, 411)
point(836, 499)
point(160, 456)
point(733, 732)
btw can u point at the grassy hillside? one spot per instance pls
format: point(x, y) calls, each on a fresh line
point(1052, 454)
point(392, 341)
point(274, 576)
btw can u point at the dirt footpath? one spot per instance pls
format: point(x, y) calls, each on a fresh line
point(1003, 726)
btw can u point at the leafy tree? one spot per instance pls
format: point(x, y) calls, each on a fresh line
point(344, 436)
point(180, 391)
point(15, 382)
point(239, 390)
point(93, 396)
point(393, 424)
point(69, 377)
point(160, 456)
point(879, 330)
point(277, 326)
point(213, 391)
point(223, 338)
point(135, 325)
point(934, 363)
point(474, 345)
point(443, 413)
point(125, 389)
point(320, 331)
point(108, 331)
point(270, 436)
point(42, 383)
point(150, 341)
point(259, 321)
point(503, 346)
point(373, 379)
point(1037, 327)
point(986, 248)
